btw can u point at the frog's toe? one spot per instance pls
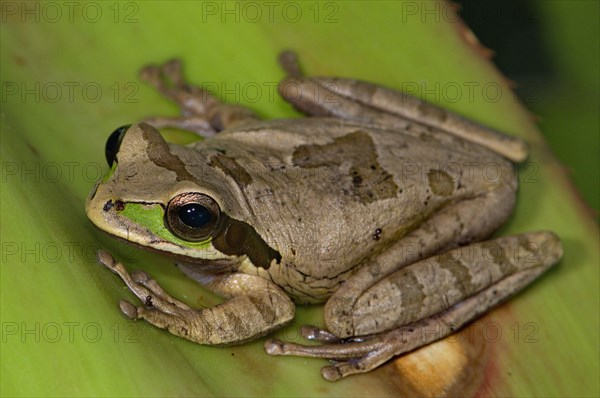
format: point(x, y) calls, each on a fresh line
point(132, 281)
point(128, 309)
point(143, 286)
point(332, 373)
point(340, 370)
point(332, 351)
point(349, 365)
point(107, 260)
point(145, 280)
point(140, 276)
point(274, 347)
point(140, 312)
point(349, 357)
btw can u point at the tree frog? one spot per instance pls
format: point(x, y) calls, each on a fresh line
point(377, 205)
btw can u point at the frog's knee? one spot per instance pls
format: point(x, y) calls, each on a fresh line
point(338, 316)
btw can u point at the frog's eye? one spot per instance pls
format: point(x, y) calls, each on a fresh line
point(192, 216)
point(113, 143)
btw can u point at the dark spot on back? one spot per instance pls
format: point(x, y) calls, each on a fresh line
point(352, 158)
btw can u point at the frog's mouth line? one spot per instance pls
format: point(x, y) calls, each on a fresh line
point(140, 234)
point(223, 264)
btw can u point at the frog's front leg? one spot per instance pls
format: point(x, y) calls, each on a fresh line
point(441, 293)
point(202, 112)
point(254, 307)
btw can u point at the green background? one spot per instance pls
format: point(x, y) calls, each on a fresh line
point(62, 333)
point(550, 50)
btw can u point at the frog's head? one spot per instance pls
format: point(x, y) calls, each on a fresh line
point(170, 199)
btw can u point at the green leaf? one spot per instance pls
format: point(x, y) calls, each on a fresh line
point(69, 77)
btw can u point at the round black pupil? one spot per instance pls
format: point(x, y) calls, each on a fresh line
point(194, 215)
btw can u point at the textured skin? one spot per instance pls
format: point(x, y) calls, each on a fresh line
point(318, 199)
point(361, 206)
point(317, 191)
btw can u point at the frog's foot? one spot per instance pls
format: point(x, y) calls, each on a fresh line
point(160, 309)
point(362, 356)
point(349, 356)
point(202, 112)
point(193, 101)
point(168, 80)
point(145, 280)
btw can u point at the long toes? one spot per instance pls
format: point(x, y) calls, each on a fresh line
point(140, 277)
point(274, 347)
point(331, 351)
point(349, 358)
point(340, 370)
point(351, 362)
point(128, 309)
point(140, 284)
point(331, 373)
point(159, 293)
point(107, 260)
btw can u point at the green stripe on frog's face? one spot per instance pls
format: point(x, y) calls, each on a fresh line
point(231, 237)
point(151, 217)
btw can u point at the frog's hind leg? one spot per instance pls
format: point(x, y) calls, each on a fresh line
point(201, 111)
point(371, 103)
point(432, 299)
